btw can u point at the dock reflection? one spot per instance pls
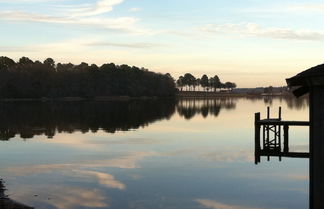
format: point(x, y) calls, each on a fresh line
point(275, 149)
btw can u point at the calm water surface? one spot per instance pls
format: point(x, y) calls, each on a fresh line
point(148, 155)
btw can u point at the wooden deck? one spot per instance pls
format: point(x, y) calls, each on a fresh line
point(270, 144)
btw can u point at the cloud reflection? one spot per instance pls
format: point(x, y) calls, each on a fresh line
point(217, 205)
point(66, 198)
point(105, 179)
point(229, 156)
point(61, 197)
point(127, 162)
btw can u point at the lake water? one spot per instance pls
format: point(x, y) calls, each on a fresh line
point(166, 154)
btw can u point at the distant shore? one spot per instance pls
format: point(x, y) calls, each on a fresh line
point(202, 94)
point(180, 94)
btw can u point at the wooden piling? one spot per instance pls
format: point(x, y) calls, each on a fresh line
point(286, 138)
point(257, 127)
point(316, 148)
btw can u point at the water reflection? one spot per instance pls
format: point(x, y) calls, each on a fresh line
point(184, 162)
point(188, 108)
point(29, 119)
point(290, 100)
point(275, 149)
point(37, 118)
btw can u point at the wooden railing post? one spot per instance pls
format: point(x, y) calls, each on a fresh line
point(286, 138)
point(257, 147)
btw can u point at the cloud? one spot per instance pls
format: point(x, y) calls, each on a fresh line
point(254, 30)
point(16, 49)
point(138, 45)
point(126, 24)
point(100, 7)
point(319, 7)
point(217, 205)
point(84, 15)
point(29, 1)
point(135, 9)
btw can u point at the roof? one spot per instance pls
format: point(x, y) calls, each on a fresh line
point(305, 80)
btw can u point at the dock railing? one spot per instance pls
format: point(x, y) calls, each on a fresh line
point(271, 137)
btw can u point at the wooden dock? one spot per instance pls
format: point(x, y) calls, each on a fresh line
point(270, 144)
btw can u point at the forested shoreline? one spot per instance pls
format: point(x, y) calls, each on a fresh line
point(35, 79)
point(190, 82)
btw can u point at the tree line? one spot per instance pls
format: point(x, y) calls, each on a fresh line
point(34, 79)
point(190, 82)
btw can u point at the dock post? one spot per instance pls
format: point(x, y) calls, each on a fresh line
point(316, 148)
point(286, 138)
point(257, 147)
point(268, 129)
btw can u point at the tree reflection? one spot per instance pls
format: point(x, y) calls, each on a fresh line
point(188, 108)
point(28, 119)
point(36, 118)
point(291, 101)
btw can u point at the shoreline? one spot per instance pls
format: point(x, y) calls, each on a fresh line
point(201, 94)
point(7, 203)
point(181, 95)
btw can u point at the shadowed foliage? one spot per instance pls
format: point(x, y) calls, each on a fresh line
point(28, 79)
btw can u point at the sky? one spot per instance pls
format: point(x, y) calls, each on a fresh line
point(250, 42)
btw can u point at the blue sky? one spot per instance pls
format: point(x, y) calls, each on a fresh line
point(250, 42)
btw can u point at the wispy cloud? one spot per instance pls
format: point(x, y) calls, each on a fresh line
point(82, 14)
point(135, 9)
point(100, 7)
point(138, 45)
point(277, 9)
point(126, 24)
point(255, 30)
point(29, 1)
point(315, 7)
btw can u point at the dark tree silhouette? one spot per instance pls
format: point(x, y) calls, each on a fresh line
point(28, 79)
point(204, 82)
point(180, 82)
point(6, 63)
point(189, 80)
point(230, 85)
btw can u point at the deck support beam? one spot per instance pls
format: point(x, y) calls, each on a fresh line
point(316, 169)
